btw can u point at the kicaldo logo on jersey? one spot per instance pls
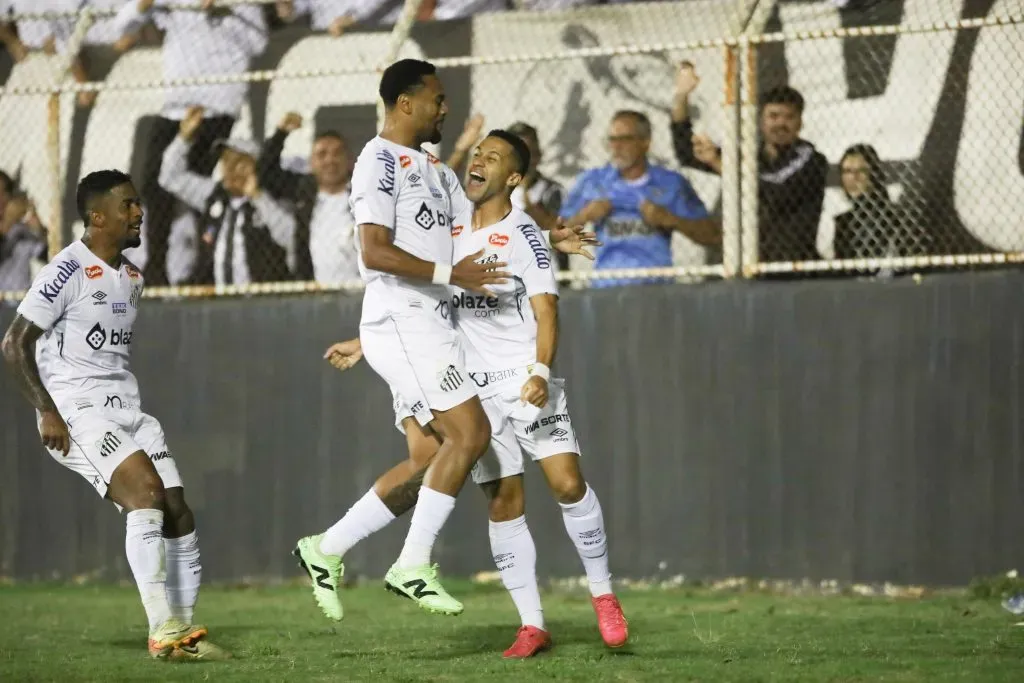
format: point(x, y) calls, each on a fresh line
point(387, 183)
point(65, 270)
point(482, 306)
point(498, 240)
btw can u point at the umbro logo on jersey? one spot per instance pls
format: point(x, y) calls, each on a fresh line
point(93, 272)
point(450, 379)
point(498, 240)
point(414, 180)
point(65, 270)
point(425, 217)
point(99, 296)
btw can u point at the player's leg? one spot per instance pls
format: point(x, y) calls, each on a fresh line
point(551, 440)
point(515, 556)
point(465, 432)
point(393, 494)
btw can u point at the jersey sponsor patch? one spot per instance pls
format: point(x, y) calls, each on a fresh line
point(433, 159)
point(404, 161)
point(456, 230)
point(99, 297)
point(498, 240)
point(537, 246)
point(65, 270)
point(425, 217)
point(133, 273)
point(386, 184)
point(93, 272)
point(119, 308)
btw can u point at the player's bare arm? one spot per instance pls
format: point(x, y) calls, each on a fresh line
point(379, 253)
point(703, 231)
point(545, 310)
point(19, 349)
point(344, 355)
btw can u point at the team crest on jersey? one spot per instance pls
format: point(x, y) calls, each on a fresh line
point(93, 272)
point(456, 230)
point(134, 298)
point(404, 161)
point(498, 240)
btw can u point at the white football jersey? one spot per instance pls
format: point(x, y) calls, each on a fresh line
point(86, 310)
point(414, 195)
point(500, 332)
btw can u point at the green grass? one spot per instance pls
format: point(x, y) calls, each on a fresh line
point(62, 633)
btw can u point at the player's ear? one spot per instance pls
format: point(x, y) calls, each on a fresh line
point(514, 180)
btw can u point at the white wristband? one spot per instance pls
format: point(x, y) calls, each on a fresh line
point(442, 274)
point(541, 370)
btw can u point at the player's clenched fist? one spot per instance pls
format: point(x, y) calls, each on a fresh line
point(535, 391)
point(54, 433)
point(344, 355)
point(475, 277)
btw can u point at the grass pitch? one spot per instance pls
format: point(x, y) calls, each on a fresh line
point(64, 633)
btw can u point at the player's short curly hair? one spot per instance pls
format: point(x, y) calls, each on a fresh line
point(96, 185)
point(404, 77)
point(519, 148)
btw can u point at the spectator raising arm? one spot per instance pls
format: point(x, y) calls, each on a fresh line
point(285, 183)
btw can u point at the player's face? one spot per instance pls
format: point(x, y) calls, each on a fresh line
point(120, 216)
point(428, 108)
point(627, 145)
point(330, 162)
point(780, 124)
point(492, 170)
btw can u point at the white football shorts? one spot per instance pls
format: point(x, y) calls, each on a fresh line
point(102, 438)
point(419, 357)
point(516, 430)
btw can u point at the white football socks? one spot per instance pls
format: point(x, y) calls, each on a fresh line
point(432, 510)
point(184, 574)
point(515, 556)
point(144, 545)
point(367, 516)
point(585, 524)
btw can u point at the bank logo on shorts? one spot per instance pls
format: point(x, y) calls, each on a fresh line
point(450, 379)
point(108, 444)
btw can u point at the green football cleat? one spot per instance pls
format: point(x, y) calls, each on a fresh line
point(325, 572)
point(420, 584)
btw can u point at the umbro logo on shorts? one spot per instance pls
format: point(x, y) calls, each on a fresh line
point(559, 434)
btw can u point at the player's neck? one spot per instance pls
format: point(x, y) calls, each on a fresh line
point(393, 132)
point(109, 254)
point(491, 211)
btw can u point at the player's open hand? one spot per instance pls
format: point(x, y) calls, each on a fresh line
point(54, 432)
point(535, 392)
point(476, 277)
point(573, 240)
point(344, 355)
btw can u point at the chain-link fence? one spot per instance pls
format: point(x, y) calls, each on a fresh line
point(812, 135)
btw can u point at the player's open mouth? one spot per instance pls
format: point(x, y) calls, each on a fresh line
point(475, 179)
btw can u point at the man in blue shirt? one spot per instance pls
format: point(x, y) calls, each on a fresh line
point(635, 206)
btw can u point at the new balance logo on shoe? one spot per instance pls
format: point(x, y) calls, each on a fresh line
point(418, 588)
point(321, 577)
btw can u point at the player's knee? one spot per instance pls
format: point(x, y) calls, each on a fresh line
point(506, 506)
point(148, 493)
point(569, 489)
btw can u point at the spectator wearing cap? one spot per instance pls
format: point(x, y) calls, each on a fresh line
point(792, 172)
point(326, 238)
point(247, 235)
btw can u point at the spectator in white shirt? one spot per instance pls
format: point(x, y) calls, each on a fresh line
point(217, 41)
point(335, 16)
point(247, 235)
point(325, 239)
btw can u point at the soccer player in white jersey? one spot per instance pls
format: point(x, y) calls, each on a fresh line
point(510, 341)
point(404, 201)
point(68, 348)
